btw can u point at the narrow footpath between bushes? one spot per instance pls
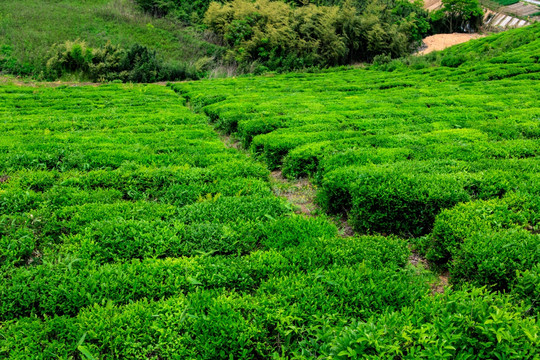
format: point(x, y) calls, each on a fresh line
point(302, 194)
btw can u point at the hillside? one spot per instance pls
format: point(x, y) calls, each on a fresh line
point(128, 229)
point(27, 36)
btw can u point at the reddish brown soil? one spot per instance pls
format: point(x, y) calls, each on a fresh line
point(443, 41)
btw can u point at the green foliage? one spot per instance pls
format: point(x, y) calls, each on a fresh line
point(458, 15)
point(282, 37)
point(11, 65)
point(506, 2)
point(138, 64)
point(129, 230)
point(452, 227)
point(188, 11)
point(453, 61)
point(27, 37)
point(446, 152)
point(399, 204)
point(458, 322)
point(527, 287)
point(495, 258)
point(486, 242)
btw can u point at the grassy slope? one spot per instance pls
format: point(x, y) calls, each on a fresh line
point(32, 26)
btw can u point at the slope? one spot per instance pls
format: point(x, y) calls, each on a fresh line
point(29, 28)
point(397, 150)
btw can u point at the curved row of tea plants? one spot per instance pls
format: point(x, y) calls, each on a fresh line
point(397, 150)
point(128, 230)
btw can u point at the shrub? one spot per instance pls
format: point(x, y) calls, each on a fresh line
point(527, 288)
point(10, 65)
point(454, 226)
point(494, 259)
point(282, 37)
point(472, 322)
point(335, 193)
point(70, 57)
point(453, 61)
point(400, 204)
point(17, 240)
point(111, 62)
point(387, 201)
point(188, 11)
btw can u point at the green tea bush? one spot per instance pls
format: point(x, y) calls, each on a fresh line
point(257, 318)
point(465, 323)
point(494, 258)
point(272, 148)
point(18, 201)
point(454, 226)
point(125, 218)
point(394, 203)
point(453, 61)
point(527, 288)
point(45, 287)
point(17, 239)
point(388, 201)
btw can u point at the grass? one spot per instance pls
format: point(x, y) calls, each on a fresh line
point(24, 27)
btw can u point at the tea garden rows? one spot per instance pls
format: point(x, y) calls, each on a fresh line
point(129, 230)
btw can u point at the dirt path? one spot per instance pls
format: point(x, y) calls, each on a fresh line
point(443, 41)
point(301, 193)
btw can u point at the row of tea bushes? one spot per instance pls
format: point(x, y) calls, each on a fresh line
point(398, 150)
point(404, 197)
point(488, 242)
point(68, 284)
point(301, 316)
point(93, 254)
point(174, 246)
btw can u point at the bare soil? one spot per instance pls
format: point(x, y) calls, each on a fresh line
point(438, 287)
point(301, 193)
point(521, 9)
point(443, 41)
point(441, 281)
point(432, 5)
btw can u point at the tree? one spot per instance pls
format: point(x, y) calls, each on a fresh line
point(460, 15)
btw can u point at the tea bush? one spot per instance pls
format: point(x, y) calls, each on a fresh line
point(495, 258)
point(437, 130)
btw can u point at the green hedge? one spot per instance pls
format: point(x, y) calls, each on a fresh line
point(495, 258)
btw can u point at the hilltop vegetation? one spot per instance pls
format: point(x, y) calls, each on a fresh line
point(150, 40)
point(129, 230)
point(28, 38)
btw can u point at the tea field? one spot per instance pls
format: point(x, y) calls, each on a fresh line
point(450, 152)
point(128, 230)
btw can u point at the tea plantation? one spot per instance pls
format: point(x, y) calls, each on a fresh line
point(446, 152)
point(128, 230)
